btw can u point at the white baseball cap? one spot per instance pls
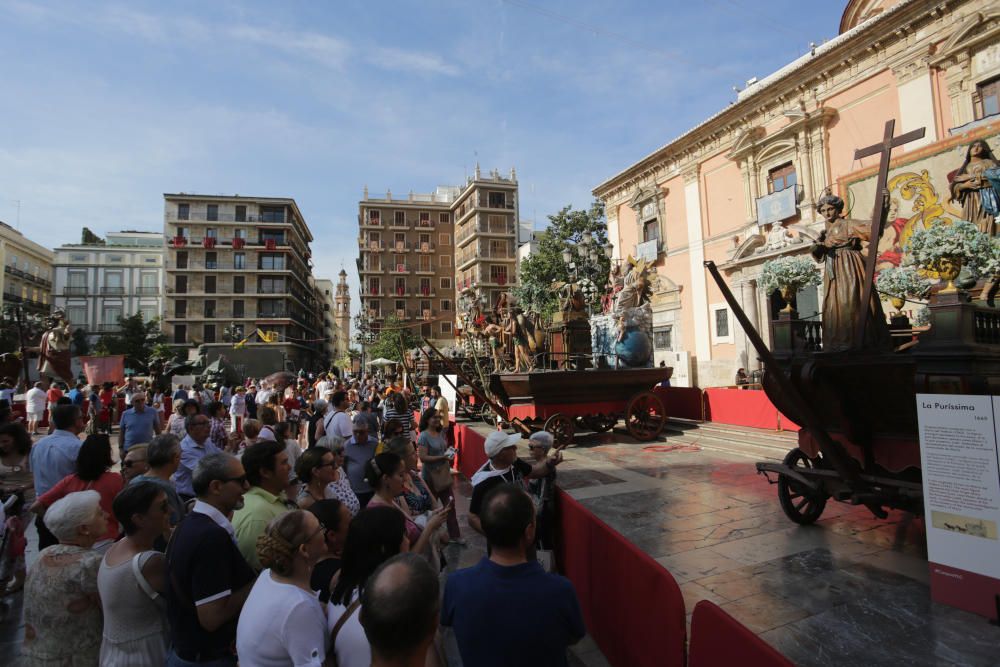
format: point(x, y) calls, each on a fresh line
point(497, 441)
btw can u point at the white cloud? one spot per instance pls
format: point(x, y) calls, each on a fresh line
point(412, 61)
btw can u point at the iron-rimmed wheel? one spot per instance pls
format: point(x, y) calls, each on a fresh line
point(561, 428)
point(800, 504)
point(645, 416)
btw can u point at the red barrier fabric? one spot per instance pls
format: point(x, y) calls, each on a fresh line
point(471, 452)
point(546, 410)
point(682, 402)
point(744, 407)
point(631, 604)
point(719, 639)
point(104, 369)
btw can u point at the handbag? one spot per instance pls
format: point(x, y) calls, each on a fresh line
point(439, 478)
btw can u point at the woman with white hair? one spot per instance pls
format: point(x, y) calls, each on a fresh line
point(62, 608)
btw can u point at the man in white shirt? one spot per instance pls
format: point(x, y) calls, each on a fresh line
point(322, 387)
point(35, 399)
point(337, 422)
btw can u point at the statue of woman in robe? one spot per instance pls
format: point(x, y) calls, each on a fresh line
point(840, 246)
point(972, 187)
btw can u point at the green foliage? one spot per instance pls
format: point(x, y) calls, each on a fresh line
point(80, 344)
point(137, 340)
point(545, 265)
point(392, 340)
point(794, 272)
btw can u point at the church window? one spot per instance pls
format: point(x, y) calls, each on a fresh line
point(781, 178)
point(987, 98)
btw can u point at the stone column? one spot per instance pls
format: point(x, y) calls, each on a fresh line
point(748, 299)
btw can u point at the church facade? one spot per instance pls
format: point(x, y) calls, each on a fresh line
point(741, 188)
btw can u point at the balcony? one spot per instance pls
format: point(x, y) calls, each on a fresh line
point(424, 247)
point(503, 204)
point(75, 290)
point(371, 291)
point(112, 291)
point(399, 269)
point(400, 224)
point(371, 224)
point(401, 246)
point(202, 216)
point(425, 269)
point(12, 298)
point(13, 270)
point(466, 257)
point(148, 290)
point(371, 268)
point(371, 246)
point(426, 292)
point(484, 229)
point(401, 291)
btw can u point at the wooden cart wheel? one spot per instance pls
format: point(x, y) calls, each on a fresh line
point(645, 416)
point(561, 428)
point(800, 504)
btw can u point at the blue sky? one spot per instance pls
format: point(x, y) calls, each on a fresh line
point(106, 106)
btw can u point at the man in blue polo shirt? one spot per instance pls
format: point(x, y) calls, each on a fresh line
point(506, 610)
point(138, 424)
point(208, 580)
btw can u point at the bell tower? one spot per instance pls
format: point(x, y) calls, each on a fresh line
point(342, 315)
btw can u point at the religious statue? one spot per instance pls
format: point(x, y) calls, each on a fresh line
point(612, 288)
point(635, 292)
point(976, 185)
point(54, 349)
point(840, 246)
point(572, 302)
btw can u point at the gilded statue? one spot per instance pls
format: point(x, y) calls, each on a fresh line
point(840, 246)
point(975, 187)
point(54, 349)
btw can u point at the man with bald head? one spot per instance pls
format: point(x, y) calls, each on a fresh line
point(138, 424)
point(399, 611)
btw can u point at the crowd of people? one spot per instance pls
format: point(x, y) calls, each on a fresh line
point(300, 525)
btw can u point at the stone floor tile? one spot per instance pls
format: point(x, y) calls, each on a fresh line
point(763, 611)
point(697, 564)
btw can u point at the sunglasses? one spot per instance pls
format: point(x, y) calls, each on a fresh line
point(128, 464)
point(241, 480)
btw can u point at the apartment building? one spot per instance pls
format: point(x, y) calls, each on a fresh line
point(419, 253)
point(237, 264)
point(99, 281)
point(27, 271)
point(324, 293)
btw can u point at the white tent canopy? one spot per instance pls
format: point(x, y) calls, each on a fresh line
point(382, 361)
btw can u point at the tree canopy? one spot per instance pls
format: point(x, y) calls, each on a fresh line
point(392, 339)
point(545, 265)
point(137, 340)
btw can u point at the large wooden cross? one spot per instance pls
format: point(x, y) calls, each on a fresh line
point(878, 214)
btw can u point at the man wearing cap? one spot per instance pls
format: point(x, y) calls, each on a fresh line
point(504, 467)
point(359, 449)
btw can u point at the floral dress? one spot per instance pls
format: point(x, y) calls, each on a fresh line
point(62, 610)
point(342, 491)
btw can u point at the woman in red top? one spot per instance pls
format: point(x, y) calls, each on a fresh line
point(93, 465)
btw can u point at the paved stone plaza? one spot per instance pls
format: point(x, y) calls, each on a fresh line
point(849, 590)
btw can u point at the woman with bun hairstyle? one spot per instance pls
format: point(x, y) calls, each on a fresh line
point(282, 622)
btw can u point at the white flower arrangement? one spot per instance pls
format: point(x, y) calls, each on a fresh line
point(922, 317)
point(789, 272)
point(902, 282)
point(959, 240)
point(989, 265)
